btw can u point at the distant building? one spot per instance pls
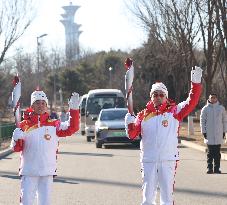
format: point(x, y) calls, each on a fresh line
point(72, 33)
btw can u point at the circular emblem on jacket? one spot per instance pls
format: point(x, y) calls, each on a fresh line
point(47, 137)
point(165, 123)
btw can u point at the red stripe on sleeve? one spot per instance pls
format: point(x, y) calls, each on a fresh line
point(193, 99)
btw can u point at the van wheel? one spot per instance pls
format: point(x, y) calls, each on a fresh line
point(88, 139)
point(98, 144)
point(82, 132)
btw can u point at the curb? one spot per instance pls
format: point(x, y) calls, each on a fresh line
point(200, 148)
point(5, 152)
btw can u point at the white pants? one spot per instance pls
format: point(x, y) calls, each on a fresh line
point(30, 186)
point(160, 174)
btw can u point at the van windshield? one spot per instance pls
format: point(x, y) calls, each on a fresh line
point(95, 104)
point(113, 115)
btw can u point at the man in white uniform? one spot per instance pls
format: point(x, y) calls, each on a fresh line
point(158, 124)
point(37, 140)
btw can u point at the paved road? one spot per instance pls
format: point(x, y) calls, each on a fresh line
point(90, 176)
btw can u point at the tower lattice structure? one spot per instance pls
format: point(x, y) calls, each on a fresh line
point(72, 32)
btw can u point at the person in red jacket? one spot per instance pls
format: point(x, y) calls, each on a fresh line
point(37, 140)
point(158, 125)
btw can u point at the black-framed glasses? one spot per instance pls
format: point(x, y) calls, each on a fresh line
point(161, 95)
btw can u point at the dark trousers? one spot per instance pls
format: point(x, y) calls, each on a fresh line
point(213, 154)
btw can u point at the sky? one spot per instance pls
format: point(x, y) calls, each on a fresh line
point(105, 25)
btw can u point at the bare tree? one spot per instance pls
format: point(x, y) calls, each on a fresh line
point(170, 21)
point(15, 17)
point(25, 65)
point(56, 62)
point(189, 25)
point(221, 18)
point(172, 26)
point(5, 83)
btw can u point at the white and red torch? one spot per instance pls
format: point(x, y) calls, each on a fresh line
point(129, 76)
point(16, 94)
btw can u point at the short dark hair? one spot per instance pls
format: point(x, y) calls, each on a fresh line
point(214, 94)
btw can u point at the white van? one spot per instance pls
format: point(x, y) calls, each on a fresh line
point(97, 100)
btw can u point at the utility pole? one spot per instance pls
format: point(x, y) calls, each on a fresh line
point(38, 53)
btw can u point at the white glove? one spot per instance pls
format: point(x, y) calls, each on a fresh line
point(129, 119)
point(205, 141)
point(196, 74)
point(224, 139)
point(18, 134)
point(74, 101)
point(12, 144)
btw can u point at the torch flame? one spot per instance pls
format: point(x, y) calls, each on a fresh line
point(128, 63)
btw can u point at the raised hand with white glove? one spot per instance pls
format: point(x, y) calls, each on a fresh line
point(196, 75)
point(74, 101)
point(18, 134)
point(129, 119)
point(17, 141)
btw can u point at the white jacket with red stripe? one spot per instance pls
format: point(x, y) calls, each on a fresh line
point(40, 142)
point(159, 127)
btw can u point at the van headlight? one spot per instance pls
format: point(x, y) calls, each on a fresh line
point(103, 128)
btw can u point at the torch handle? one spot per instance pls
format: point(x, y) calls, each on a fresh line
point(129, 76)
point(16, 94)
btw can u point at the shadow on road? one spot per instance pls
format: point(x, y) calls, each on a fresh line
point(121, 146)
point(98, 181)
point(193, 159)
point(74, 180)
point(181, 146)
point(86, 154)
point(64, 181)
point(199, 192)
point(5, 157)
point(10, 176)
